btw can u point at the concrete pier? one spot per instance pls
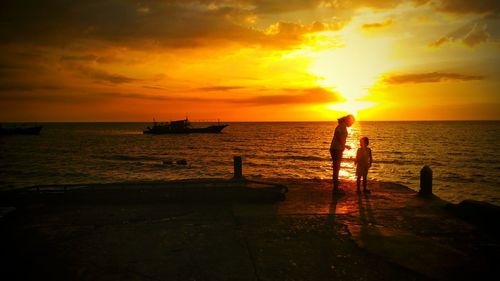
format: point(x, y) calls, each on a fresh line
point(390, 234)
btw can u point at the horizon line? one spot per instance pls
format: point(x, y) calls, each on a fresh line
point(261, 121)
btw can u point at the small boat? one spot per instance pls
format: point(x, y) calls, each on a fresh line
point(31, 130)
point(182, 127)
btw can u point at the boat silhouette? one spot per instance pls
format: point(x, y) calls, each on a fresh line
point(182, 127)
point(31, 130)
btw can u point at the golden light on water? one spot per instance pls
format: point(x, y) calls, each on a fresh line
point(348, 170)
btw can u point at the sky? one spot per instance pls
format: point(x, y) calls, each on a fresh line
point(249, 60)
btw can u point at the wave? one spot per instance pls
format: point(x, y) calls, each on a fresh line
point(262, 165)
point(305, 158)
point(456, 178)
point(395, 162)
point(121, 157)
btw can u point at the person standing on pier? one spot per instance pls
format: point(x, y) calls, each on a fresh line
point(338, 146)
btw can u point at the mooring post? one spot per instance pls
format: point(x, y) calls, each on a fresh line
point(425, 182)
point(238, 168)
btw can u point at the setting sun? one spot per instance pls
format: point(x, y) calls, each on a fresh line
point(350, 66)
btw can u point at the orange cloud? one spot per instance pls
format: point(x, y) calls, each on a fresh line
point(293, 96)
point(286, 97)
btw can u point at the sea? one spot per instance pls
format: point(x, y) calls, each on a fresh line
point(463, 155)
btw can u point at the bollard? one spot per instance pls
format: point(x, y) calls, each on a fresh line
point(238, 168)
point(425, 182)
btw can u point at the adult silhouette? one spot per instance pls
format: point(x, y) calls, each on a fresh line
point(338, 146)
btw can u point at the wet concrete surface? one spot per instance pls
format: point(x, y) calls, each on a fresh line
point(390, 234)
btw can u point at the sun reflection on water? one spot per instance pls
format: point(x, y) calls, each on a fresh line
point(348, 168)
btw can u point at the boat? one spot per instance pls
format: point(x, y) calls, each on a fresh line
point(182, 127)
point(30, 130)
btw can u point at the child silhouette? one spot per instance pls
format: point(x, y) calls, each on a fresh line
point(363, 163)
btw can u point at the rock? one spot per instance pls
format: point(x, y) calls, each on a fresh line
point(477, 212)
point(182, 162)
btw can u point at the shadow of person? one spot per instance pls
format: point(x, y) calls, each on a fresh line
point(368, 224)
point(335, 197)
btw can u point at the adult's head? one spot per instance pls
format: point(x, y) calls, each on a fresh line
point(348, 120)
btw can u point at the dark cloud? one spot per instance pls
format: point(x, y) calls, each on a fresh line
point(9, 68)
point(37, 97)
point(103, 59)
point(135, 96)
point(471, 34)
point(106, 59)
point(26, 86)
point(477, 35)
point(273, 7)
point(430, 77)
point(440, 41)
point(78, 97)
point(78, 58)
point(162, 23)
point(220, 88)
point(466, 7)
point(17, 59)
point(154, 87)
point(173, 23)
point(450, 6)
point(148, 23)
point(104, 76)
point(51, 98)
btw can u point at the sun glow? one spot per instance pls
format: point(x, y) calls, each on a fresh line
point(348, 64)
point(351, 106)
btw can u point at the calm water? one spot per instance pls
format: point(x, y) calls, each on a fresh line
point(463, 155)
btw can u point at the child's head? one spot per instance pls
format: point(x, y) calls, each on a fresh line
point(364, 141)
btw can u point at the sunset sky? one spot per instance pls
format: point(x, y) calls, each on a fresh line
point(249, 60)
